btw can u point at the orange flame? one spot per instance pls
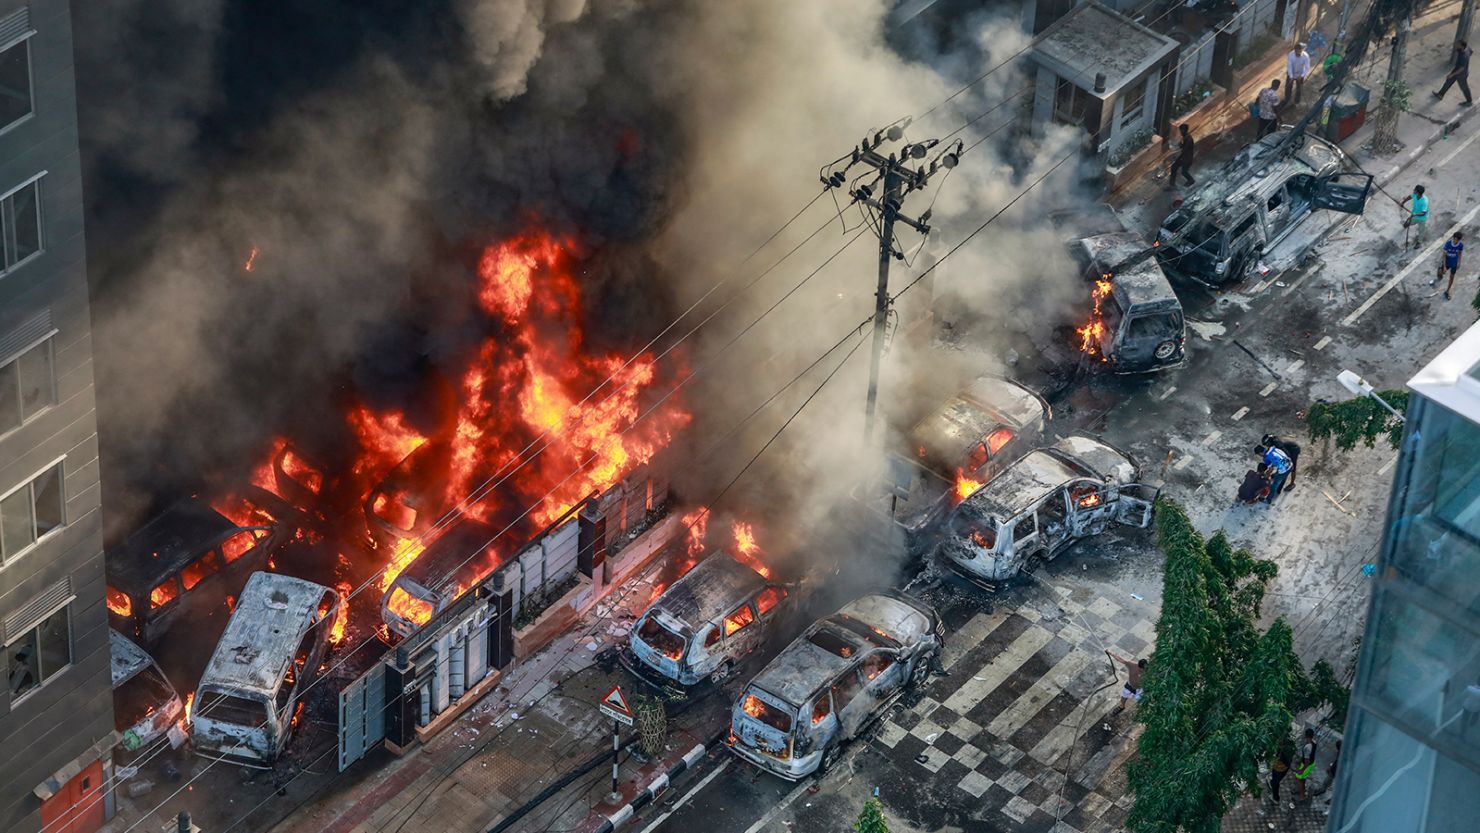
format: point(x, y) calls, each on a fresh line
point(746, 549)
point(1090, 333)
point(230, 603)
point(251, 259)
point(341, 615)
point(189, 701)
point(965, 486)
point(752, 706)
point(409, 607)
point(119, 603)
point(698, 523)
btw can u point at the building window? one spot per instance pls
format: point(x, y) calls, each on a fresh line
point(1134, 107)
point(38, 655)
point(1070, 104)
point(27, 385)
point(20, 215)
point(30, 513)
point(15, 82)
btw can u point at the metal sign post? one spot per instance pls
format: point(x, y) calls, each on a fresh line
point(614, 705)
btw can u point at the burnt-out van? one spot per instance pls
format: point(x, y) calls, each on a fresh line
point(1041, 505)
point(839, 676)
point(1141, 326)
point(706, 623)
point(460, 558)
point(145, 704)
point(966, 439)
point(250, 696)
point(186, 564)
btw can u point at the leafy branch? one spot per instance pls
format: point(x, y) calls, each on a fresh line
point(1358, 420)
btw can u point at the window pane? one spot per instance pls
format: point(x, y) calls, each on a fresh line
point(164, 594)
point(26, 217)
point(55, 639)
point(198, 569)
point(15, 83)
point(21, 671)
point(10, 397)
point(38, 388)
point(17, 531)
point(1426, 671)
point(48, 491)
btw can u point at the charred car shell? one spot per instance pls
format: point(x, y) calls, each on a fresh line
point(974, 434)
point(1227, 223)
point(829, 684)
point(707, 622)
point(145, 704)
point(1040, 505)
point(1144, 327)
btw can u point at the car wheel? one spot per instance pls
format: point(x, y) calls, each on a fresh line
point(830, 757)
point(722, 673)
point(921, 671)
point(1165, 350)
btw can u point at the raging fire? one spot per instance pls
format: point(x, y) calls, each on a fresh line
point(189, 701)
point(965, 486)
point(119, 603)
point(747, 551)
point(341, 613)
point(1090, 333)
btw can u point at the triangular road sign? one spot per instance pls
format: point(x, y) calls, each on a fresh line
point(615, 705)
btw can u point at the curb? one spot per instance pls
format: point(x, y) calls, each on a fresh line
point(649, 793)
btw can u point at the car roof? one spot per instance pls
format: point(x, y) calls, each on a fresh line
point(128, 658)
point(988, 402)
point(1105, 460)
point(1022, 484)
point(450, 558)
point(1144, 283)
point(265, 628)
point(711, 589)
point(1251, 172)
point(164, 545)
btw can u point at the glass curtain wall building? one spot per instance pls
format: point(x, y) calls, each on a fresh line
point(1411, 762)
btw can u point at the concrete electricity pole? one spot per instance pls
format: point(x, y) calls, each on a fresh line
point(1385, 131)
point(884, 195)
point(1466, 17)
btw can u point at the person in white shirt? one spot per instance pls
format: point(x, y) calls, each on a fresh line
point(1297, 69)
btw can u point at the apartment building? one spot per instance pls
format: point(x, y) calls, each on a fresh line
point(56, 714)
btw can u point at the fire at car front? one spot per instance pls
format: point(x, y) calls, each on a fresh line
point(763, 732)
point(973, 554)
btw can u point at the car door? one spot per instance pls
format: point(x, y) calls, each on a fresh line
point(1343, 192)
point(1090, 507)
point(1277, 213)
point(1025, 538)
point(741, 632)
point(772, 606)
point(883, 673)
point(1134, 505)
point(1053, 521)
point(851, 703)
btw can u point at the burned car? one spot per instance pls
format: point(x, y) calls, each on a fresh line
point(1237, 214)
point(959, 445)
point(145, 705)
point(707, 622)
point(1043, 503)
point(186, 564)
point(463, 556)
point(1140, 326)
point(250, 697)
point(793, 718)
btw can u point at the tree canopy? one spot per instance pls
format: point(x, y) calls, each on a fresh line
point(1358, 420)
point(1219, 694)
point(871, 820)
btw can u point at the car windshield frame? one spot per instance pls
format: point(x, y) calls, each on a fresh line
point(767, 714)
point(662, 631)
point(133, 697)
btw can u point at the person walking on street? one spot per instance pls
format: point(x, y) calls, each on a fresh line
point(1280, 463)
point(1454, 249)
point(1183, 162)
point(1459, 74)
point(1418, 217)
point(1269, 109)
point(1255, 487)
point(1297, 69)
point(1131, 691)
point(1291, 450)
point(1307, 765)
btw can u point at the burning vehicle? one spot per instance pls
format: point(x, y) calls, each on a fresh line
point(249, 698)
point(834, 680)
point(959, 446)
point(181, 566)
point(1239, 213)
point(145, 705)
point(460, 558)
point(1040, 505)
point(705, 624)
point(1137, 325)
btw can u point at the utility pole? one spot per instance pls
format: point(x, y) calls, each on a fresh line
point(1466, 17)
point(1385, 131)
point(893, 181)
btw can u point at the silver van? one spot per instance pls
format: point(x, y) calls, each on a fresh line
point(832, 682)
point(1142, 327)
point(968, 438)
point(1241, 211)
point(145, 705)
point(248, 701)
point(1039, 506)
point(705, 624)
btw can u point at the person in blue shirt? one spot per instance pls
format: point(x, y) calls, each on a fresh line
point(1279, 463)
point(1419, 218)
point(1454, 249)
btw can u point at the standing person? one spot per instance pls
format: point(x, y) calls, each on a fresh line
point(1269, 109)
point(1291, 450)
point(1454, 249)
point(1460, 73)
point(1183, 162)
point(1418, 217)
point(1307, 765)
point(1283, 757)
point(1280, 463)
point(1297, 69)
point(1255, 487)
point(1131, 691)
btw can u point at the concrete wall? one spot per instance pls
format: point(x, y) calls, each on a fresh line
point(51, 726)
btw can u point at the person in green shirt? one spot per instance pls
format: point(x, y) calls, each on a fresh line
point(1418, 219)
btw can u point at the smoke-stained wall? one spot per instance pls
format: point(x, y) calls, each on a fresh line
point(365, 151)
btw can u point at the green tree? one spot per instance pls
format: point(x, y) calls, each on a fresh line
point(1219, 693)
point(1358, 419)
point(871, 820)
